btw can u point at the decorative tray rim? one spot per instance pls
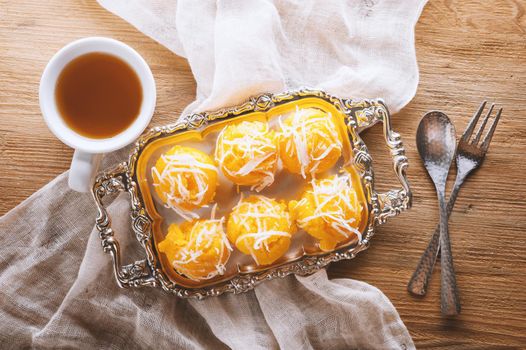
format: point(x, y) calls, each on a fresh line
point(359, 115)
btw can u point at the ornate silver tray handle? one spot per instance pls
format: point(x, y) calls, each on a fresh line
point(358, 115)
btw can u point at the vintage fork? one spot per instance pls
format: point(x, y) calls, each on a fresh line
point(470, 155)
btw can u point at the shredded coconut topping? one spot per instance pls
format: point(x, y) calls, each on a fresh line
point(201, 238)
point(251, 153)
point(179, 171)
point(299, 133)
point(332, 200)
point(249, 214)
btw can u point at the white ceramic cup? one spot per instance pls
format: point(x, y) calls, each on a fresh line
point(88, 151)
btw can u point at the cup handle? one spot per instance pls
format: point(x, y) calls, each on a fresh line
point(82, 170)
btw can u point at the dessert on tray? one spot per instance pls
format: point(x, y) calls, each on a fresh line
point(185, 178)
point(287, 174)
point(309, 142)
point(247, 153)
point(260, 227)
point(198, 249)
point(329, 211)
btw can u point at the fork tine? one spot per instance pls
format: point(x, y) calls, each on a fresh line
point(483, 125)
point(471, 125)
point(489, 135)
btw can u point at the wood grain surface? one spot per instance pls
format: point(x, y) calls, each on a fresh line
point(467, 51)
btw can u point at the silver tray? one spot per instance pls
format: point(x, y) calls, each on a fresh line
point(358, 115)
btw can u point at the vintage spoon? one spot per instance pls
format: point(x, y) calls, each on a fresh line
point(436, 142)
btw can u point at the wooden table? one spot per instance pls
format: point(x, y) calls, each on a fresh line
point(467, 51)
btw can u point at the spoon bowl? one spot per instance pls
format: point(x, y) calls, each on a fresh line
point(436, 143)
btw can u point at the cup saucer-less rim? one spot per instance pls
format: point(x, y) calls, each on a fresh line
point(49, 108)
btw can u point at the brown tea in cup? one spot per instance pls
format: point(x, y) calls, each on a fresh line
point(98, 95)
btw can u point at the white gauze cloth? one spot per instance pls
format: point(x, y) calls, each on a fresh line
point(57, 288)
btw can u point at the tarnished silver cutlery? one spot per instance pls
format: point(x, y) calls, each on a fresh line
point(469, 156)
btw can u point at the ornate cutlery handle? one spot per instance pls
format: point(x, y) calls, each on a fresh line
point(449, 298)
point(419, 281)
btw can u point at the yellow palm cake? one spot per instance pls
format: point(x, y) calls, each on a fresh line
point(260, 227)
point(198, 249)
point(309, 142)
point(329, 211)
point(185, 179)
point(247, 153)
